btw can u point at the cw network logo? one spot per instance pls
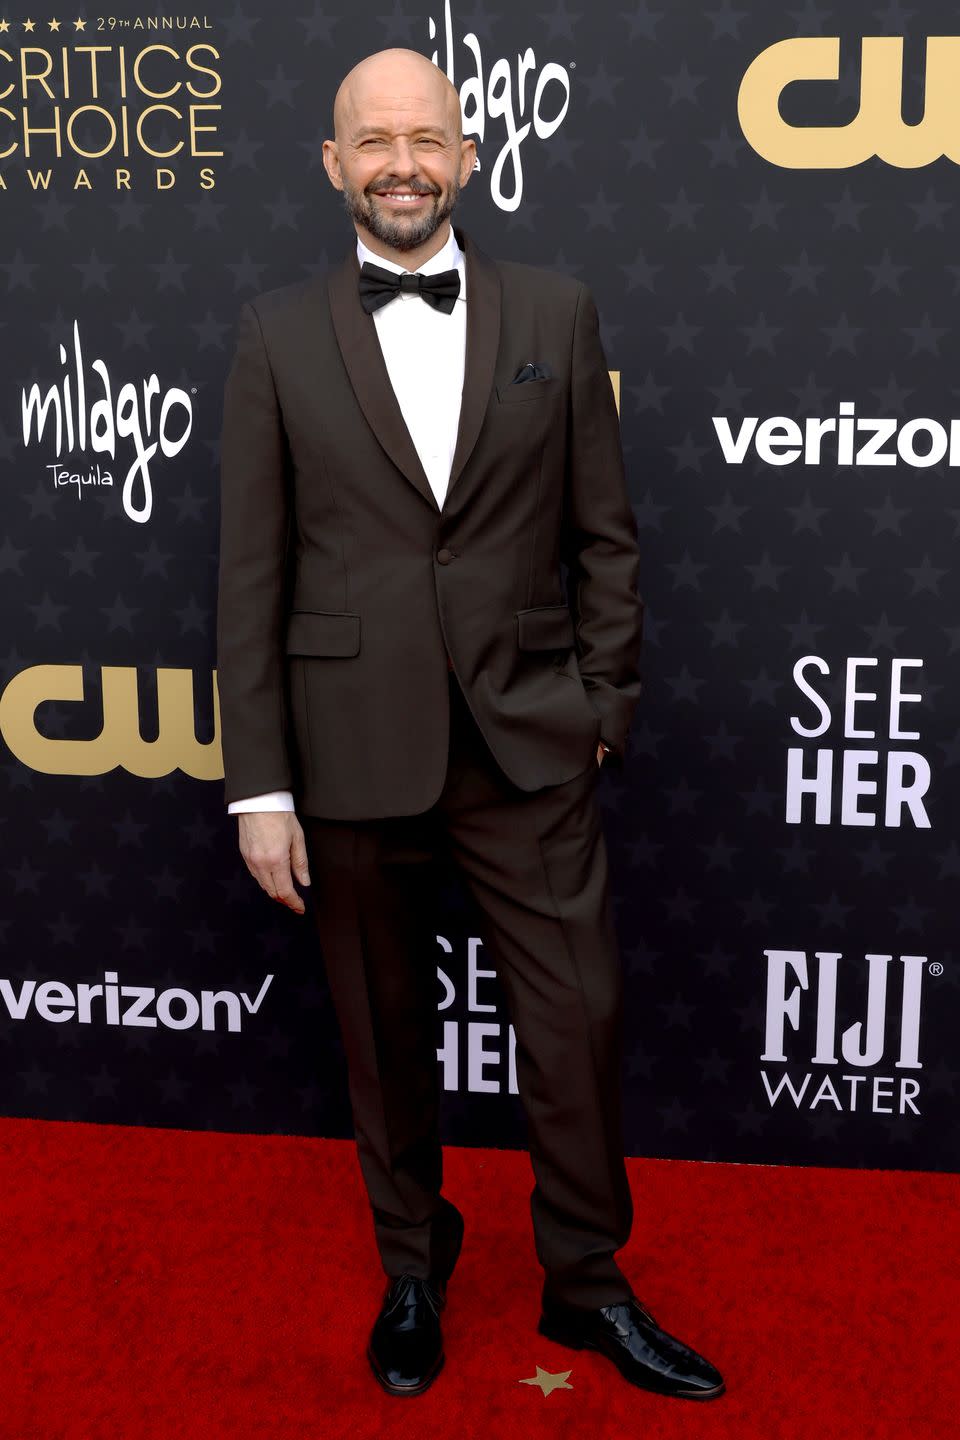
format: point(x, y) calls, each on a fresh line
point(130, 1005)
point(119, 741)
point(878, 129)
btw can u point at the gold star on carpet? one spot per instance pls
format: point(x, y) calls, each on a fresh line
point(79, 24)
point(548, 1382)
point(54, 24)
point(4, 25)
point(28, 24)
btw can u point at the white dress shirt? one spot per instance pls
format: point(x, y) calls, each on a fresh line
point(424, 351)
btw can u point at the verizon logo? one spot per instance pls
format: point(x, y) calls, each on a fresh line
point(842, 439)
point(114, 1004)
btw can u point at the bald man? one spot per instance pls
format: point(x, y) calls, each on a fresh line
point(412, 444)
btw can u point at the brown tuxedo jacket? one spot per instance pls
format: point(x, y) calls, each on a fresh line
point(344, 587)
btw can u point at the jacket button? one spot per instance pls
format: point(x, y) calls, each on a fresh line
point(445, 556)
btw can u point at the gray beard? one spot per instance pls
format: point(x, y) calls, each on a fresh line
point(396, 233)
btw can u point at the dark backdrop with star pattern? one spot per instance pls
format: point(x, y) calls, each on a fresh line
point(729, 287)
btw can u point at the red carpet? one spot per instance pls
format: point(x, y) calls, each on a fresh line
point(162, 1283)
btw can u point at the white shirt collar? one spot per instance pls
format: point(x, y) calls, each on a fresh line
point(450, 257)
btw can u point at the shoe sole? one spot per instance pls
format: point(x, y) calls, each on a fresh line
point(562, 1336)
point(405, 1389)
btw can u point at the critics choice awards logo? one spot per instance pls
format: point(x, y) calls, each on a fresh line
point(132, 92)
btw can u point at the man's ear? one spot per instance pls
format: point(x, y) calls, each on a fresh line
point(468, 153)
point(331, 163)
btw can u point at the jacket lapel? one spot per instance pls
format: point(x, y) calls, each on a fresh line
point(483, 342)
point(360, 347)
point(363, 358)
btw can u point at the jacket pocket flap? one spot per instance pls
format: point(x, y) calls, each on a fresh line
point(545, 627)
point(323, 632)
point(529, 389)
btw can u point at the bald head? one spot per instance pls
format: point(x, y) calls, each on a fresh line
point(398, 80)
point(399, 156)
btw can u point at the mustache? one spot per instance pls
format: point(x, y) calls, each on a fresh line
point(402, 185)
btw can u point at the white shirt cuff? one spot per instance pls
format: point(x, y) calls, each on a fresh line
point(272, 800)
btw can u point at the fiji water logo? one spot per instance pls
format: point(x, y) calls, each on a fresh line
point(519, 94)
point(85, 414)
point(815, 1060)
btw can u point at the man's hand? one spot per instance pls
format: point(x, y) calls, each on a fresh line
point(600, 754)
point(272, 845)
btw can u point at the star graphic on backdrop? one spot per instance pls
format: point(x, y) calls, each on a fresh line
point(846, 210)
point(642, 150)
point(721, 273)
point(803, 274)
point(727, 515)
point(892, 398)
point(239, 27)
point(683, 85)
point(806, 515)
point(561, 21)
point(730, 395)
point(725, 629)
point(726, 21)
point(760, 334)
point(243, 151)
point(886, 275)
point(548, 1382)
point(681, 334)
point(649, 396)
point(54, 212)
point(846, 575)
point(926, 335)
point(926, 576)
point(600, 85)
point(883, 634)
point(929, 211)
point(724, 148)
point(681, 210)
point(564, 152)
point(319, 24)
point(764, 211)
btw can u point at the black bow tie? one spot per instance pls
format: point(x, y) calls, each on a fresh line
point(379, 286)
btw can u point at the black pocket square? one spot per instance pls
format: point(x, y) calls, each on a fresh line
point(538, 370)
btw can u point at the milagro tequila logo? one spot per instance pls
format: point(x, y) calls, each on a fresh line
point(543, 95)
point(87, 415)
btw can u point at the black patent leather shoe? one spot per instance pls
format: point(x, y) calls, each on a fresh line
point(406, 1343)
point(643, 1353)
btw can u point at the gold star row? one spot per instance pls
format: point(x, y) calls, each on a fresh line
point(31, 25)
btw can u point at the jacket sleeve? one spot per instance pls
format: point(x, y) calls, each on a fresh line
point(600, 540)
point(255, 516)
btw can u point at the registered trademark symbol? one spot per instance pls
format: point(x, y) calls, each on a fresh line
point(573, 64)
point(193, 389)
point(935, 968)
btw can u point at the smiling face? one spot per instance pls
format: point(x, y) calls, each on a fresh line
point(399, 157)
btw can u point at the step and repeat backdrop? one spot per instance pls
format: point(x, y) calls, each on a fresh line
point(764, 204)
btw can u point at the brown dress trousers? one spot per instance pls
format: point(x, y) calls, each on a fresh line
point(536, 864)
